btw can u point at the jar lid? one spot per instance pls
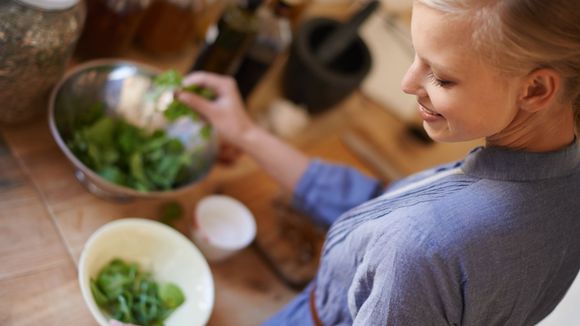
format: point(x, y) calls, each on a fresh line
point(251, 4)
point(293, 2)
point(50, 4)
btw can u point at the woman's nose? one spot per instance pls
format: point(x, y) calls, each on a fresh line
point(411, 82)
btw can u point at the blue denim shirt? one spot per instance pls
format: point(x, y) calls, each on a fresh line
point(490, 240)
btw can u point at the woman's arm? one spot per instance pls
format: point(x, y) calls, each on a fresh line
point(323, 191)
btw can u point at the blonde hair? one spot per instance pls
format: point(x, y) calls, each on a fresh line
point(519, 35)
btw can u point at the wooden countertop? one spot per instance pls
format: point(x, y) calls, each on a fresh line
point(46, 215)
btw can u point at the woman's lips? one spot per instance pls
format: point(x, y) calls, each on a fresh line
point(427, 114)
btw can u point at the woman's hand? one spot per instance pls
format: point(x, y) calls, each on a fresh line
point(226, 113)
point(228, 116)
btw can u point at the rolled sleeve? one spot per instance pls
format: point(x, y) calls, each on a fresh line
point(326, 190)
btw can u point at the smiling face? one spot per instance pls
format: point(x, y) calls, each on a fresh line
point(459, 96)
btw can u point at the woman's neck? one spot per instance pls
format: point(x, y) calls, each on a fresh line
point(544, 131)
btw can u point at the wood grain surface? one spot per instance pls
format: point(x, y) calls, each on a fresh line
point(37, 274)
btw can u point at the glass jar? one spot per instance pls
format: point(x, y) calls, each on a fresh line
point(37, 38)
point(273, 38)
point(234, 33)
point(293, 9)
point(110, 27)
point(168, 27)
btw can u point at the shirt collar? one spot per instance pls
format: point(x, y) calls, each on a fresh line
point(511, 165)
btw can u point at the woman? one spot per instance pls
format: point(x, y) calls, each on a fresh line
point(491, 240)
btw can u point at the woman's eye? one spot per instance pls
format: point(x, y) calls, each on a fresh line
point(439, 82)
point(442, 83)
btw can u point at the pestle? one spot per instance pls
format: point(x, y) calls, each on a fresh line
point(339, 39)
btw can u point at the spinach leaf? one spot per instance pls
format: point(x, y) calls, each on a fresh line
point(171, 296)
point(170, 212)
point(176, 110)
point(171, 81)
point(168, 79)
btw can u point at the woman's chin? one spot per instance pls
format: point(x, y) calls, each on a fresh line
point(444, 136)
point(440, 134)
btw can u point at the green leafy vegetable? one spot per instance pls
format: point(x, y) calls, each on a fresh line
point(202, 91)
point(205, 132)
point(132, 296)
point(171, 296)
point(126, 155)
point(176, 110)
point(170, 212)
point(171, 81)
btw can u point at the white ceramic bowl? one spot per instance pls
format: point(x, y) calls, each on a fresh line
point(158, 248)
point(222, 226)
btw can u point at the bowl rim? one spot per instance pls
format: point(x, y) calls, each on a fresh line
point(125, 222)
point(247, 216)
point(94, 177)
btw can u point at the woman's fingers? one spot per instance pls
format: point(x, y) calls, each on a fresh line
point(196, 102)
point(224, 87)
point(226, 112)
point(218, 83)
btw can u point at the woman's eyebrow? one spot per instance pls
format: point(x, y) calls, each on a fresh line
point(439, 68)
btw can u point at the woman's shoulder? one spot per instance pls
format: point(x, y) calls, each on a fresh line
point(477, 213)
point(422, 175)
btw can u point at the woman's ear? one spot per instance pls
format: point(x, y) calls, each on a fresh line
point(541, 89)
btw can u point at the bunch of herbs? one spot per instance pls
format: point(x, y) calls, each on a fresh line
point(132, 296)
point(129, 156)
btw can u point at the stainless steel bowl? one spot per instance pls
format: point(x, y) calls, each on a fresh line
point(122, 86)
